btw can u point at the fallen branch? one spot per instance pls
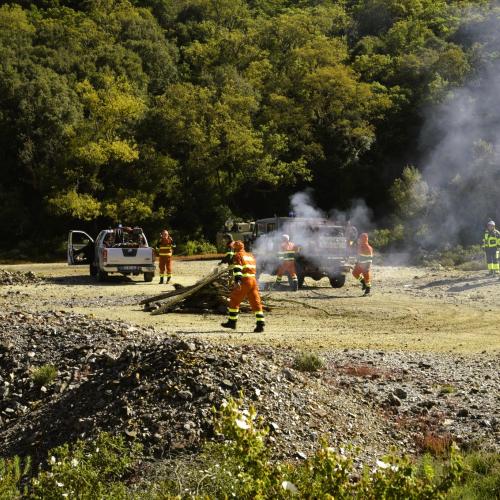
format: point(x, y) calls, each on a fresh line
point(166, 295)
point(173, 300)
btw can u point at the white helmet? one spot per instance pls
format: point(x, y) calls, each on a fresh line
point(285, 237)
point(491, 223)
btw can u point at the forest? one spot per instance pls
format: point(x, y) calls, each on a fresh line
point(184, 113)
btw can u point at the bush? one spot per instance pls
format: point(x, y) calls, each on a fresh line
point(481, 478)
point(87, 470)
point(240, 467)
point(44, 375)
point(307, 362)
point(195, 247)
point(465, 258)
point(12, 473)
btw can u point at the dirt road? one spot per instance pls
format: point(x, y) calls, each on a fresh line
point(413, 309)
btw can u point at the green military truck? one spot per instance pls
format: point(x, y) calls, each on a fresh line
point(323, 247)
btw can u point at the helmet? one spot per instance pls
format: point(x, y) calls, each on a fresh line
point(238, 246)
point(285, 237)
point(491, 223)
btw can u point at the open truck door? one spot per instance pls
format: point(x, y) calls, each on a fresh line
point(80, 248)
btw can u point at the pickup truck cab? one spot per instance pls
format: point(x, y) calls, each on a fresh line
point(123, 251)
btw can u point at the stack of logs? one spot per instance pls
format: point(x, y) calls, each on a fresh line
point(208, 295)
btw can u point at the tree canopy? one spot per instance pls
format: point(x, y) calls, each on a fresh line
point(181, 113)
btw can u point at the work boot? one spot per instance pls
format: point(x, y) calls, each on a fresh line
point(367, 290)
point(295, 286)
point(168, 279)
point(161, 281)
point(259, 327)
point(230, 323)
point(363, 284)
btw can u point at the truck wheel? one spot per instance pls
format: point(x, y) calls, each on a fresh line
point(148, 277)
point(337, 281)
point(102, 275)
point(92, 270)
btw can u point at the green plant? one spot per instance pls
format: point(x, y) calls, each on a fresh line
point(481, 478)
point(195, 247)
point(307, 362)
point(87, 470)
point(447, 389)
point(12, 472)
point(44, 375)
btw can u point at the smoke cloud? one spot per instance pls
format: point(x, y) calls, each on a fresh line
point(462, 137)
point(320, 239)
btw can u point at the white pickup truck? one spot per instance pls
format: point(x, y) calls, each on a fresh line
point(125, 252)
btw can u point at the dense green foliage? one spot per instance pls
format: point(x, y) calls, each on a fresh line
point(239, 466)
point(184, 112)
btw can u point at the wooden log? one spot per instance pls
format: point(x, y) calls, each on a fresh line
point(170, 302)
point(165, 295)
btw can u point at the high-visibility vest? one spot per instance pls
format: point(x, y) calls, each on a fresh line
point(244, 266)
point(164, 248)
point(287, 251)
point(491, 239)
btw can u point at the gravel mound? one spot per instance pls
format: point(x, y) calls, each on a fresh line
point(160, 390)
point(18, 278)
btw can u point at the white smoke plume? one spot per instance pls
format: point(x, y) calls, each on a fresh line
point(319, 235)
point(462, 137)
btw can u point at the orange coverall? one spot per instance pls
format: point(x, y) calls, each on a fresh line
point(244, 267)
point(164, 250)
point(287, 261)
point(363, 264)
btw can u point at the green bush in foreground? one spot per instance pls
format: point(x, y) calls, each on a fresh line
point(238, 465)
point(307, 362)
point(44, 375)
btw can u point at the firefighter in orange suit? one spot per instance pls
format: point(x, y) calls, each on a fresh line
point(245, 286)
point(165, 249)
point(363, 264)
point(286, 257)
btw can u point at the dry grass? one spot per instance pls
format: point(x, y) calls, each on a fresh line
point(436, 444)
point(364, 371)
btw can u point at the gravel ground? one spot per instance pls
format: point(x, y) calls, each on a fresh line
point(414, 366)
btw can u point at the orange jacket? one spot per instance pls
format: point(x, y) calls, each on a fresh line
point(164, 247)
point(365, 251)
point(244, 266)
point(287, 251)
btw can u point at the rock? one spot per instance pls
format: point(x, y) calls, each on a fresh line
point(400, 393)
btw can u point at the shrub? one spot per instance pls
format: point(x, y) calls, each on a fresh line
point(87, 470)
point(12, 473)
point(240, 467)
point(195, 247)
point(481, 479)
point(307, 362)
point(44, 375)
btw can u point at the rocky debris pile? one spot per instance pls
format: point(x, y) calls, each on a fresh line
point(432, 398)
point(18, 278)
point(158, 390)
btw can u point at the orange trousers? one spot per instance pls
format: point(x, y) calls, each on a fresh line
point(362, 271)
point(248, 289)
point(287, 266)
point(165, 264)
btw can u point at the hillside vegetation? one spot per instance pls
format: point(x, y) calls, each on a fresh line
point(186, 112)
